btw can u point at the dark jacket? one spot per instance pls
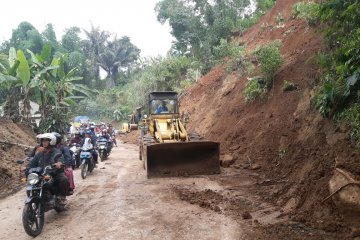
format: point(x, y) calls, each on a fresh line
point(46, 158)
point(76, 140)
point(66, 154)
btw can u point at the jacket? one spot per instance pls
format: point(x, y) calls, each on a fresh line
point(46, 158)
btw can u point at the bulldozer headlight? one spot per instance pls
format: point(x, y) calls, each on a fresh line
point(32, 179)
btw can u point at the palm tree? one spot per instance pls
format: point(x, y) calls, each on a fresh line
point(118, 54)
point(94, 46)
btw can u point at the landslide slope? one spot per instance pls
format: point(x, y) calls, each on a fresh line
point(295, 147)
point(9, 153)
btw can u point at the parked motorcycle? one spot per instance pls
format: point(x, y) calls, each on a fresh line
point(87, 161)
point(39, 199)
point(75, 151)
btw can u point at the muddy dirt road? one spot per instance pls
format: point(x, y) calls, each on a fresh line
point(116, 201)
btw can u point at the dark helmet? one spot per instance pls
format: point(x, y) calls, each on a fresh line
point(58, 137)
point(88, 132)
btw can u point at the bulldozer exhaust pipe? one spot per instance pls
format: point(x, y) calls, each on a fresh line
point(182, 159)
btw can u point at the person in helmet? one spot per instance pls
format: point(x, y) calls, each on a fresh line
point(88, 135)
point(38, 148)
point(104, 134)
point(77, 139)
point(92, 130)
point(52, 156)
point(112, 134)
point(69, 161)
point(64, 150)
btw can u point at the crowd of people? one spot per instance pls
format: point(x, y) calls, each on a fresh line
point(53, 151)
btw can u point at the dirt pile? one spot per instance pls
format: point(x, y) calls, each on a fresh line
point(9, 169)
point(294, 148)
point(131, 137)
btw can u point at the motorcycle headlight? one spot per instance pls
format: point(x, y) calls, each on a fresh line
point(32, 179)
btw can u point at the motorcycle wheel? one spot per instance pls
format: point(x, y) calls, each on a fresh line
point(102, 156)
point(33, 218)
point(84, 169)
point(91, 164)
point(78, 163)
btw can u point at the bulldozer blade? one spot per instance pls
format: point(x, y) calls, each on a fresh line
point(182, 159)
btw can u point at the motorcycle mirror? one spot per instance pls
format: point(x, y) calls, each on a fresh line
point(19, 161)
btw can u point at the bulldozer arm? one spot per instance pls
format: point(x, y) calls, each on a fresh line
point(182, 159)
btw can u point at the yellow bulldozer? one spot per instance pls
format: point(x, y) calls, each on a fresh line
point(167, 149)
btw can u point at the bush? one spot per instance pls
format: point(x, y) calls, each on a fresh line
point(308, 11)
point(269, 58)
point(226, 49)
point(254, 88)
point(352, 116)
point(325, 99)
point(288, 86)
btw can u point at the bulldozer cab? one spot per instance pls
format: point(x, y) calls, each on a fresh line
point(163, 103)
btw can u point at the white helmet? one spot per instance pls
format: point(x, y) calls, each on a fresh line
point(49, 136)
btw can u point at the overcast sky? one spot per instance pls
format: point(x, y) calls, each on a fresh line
point(133, 18)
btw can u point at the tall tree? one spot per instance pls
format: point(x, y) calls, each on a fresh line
point(49, 37)
point(118, 55)
point(94, 45)
point(71, 40)
point(26, 36)
point(198, 25)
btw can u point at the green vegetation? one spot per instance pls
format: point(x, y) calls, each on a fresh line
point(42, 78)
point(255, 88)
point(338, 93)
point(307, 10)
point(288, 86)
point(59, 73)
point(352, 116)
point(269, 58)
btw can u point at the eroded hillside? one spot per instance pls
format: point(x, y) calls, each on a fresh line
point(295, 148)
point(9, 169)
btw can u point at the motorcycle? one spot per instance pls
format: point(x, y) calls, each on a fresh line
point(104, 150)
point(87, 161)
point(39, 199)
point(75, 150)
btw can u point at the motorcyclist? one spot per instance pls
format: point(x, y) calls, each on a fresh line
point(52, 156)
point(93, 142)
point(112, 134)
point(105, 135)
point(38, 148)
point(92, 130)
point(69, 161)
point(77, 139)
